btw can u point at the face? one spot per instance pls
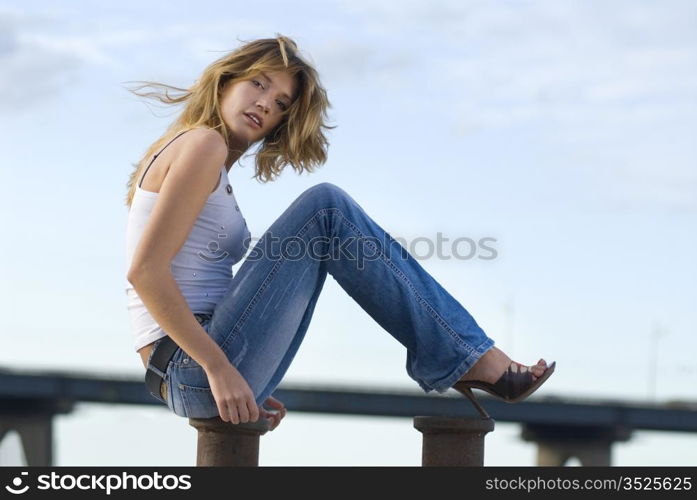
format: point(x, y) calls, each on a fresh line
point(252, 108)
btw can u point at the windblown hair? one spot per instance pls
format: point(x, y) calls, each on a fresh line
point(298, 139)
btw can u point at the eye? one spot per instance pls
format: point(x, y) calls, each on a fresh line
point(256, 83)
point(282, 105)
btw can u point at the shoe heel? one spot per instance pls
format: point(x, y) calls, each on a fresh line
point(468, 392)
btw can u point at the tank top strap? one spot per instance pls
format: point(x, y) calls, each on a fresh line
point(156, 155)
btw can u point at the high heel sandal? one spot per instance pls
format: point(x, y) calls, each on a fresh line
point(513, 386)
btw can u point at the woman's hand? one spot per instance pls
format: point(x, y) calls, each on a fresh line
point(276, 416)
point(232, 394)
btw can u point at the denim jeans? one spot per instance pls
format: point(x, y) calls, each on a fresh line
point(261, 320)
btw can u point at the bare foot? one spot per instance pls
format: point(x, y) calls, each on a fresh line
point(494, 363)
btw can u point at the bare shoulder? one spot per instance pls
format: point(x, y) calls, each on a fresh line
point(182, 196)
point(201, 152)
point(204, 140)
point(190, 150)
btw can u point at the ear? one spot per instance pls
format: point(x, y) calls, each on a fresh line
point(223, 83)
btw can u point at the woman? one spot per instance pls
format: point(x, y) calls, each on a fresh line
point(217, 345)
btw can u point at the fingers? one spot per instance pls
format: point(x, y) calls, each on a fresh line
point(240, 413)
point(267, 415)
point(273, 402)
point(229, 413)
point(224, 413)
point(253, 409)
point(275, 417)
point(247, 410)
point(243, 413)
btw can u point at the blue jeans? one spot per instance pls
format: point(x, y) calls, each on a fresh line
point(262, 318)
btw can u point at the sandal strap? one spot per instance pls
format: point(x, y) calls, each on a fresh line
point(514, 381)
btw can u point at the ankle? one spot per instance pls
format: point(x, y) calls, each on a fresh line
point(489, 367)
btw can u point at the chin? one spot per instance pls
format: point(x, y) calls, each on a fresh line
point(258, 138)
point(243, 137)
point(253, 135)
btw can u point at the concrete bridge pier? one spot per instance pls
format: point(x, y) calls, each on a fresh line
point(592, 446)
point(36, 434)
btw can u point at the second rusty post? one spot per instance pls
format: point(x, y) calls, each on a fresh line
point(453, 441)
point(222, 443)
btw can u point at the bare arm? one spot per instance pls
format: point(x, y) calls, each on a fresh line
point(162, 297)
point(183, 194)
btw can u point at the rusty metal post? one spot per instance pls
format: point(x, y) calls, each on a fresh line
point(453, 441)
point(222, 443)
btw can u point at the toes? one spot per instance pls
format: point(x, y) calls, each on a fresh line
point(537, 370)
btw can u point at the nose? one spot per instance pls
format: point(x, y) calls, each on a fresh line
point(261, 104)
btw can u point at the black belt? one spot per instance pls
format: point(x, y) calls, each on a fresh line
point(160, 358)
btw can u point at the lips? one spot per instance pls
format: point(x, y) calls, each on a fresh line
point(251, 120)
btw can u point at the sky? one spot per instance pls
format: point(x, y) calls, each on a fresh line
point(562, 129)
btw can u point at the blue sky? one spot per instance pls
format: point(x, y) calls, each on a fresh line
point(564, 129)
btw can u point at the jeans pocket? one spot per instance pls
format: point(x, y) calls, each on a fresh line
point(198, 401)
point(181, 359)
point(187, 362)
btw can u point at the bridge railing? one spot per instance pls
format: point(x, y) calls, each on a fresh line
point(453, 432)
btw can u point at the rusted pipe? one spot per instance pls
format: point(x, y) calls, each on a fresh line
point(453, 441)
point(222, 443)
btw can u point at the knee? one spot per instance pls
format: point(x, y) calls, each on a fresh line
point(327, 189)
point(327, 195)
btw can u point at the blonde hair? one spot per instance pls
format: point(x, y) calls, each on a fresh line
point(298, 140)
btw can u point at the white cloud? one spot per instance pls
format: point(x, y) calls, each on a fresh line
point(32, 70)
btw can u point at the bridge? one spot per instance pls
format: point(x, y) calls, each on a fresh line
point(562, 428)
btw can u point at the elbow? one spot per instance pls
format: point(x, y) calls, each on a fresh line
point(137, 273)
point(132, 276)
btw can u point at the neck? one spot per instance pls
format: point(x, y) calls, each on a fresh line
point(235, 151)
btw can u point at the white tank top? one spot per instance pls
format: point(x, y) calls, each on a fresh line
point(202, 268)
